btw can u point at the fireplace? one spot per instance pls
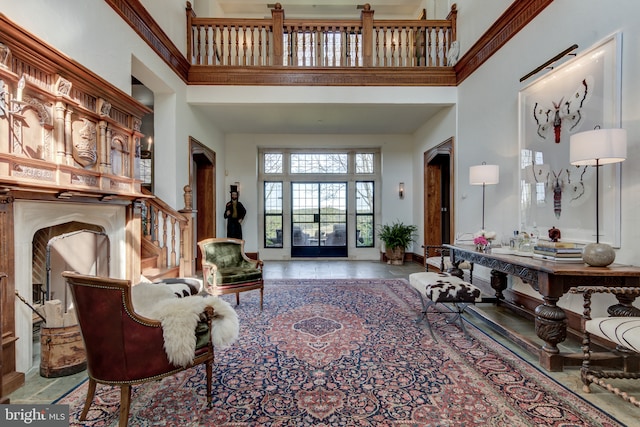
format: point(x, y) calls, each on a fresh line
point(31, 216)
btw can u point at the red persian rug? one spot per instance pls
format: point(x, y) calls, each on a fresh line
point(349, 353)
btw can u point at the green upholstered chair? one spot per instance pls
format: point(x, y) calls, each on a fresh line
point(226, 269)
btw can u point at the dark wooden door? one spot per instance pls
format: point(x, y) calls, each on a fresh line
point(439, 212)
point(203, 186)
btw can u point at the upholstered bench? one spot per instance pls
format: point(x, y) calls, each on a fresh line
point(434, 288)
point(622, 329)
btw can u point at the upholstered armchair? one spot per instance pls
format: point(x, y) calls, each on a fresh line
point(622, 328)
point(123, 348)
point(227, 269)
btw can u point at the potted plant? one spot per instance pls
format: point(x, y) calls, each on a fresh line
point(397, 237)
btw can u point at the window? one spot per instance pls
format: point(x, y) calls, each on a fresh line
point(290, 178)
point(319, 163)
point(536, 174)
point(364, 163)
point(273, 163)
point(273, 214)
point(364, 214)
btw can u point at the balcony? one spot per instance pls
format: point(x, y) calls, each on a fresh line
point(358, 52)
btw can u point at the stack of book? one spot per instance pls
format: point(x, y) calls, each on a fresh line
point(557, 251)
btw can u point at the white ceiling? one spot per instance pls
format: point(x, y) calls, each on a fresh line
point(320, 118)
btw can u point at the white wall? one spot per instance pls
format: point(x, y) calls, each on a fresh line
point(488, 107)
point(171, 15)
point(475, 17)
point(89, 31)
point(242, 153)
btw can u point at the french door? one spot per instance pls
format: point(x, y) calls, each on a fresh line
point(318, 219)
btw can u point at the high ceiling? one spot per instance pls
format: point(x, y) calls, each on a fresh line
point(383, 118)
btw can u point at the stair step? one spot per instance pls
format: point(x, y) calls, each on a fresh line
point(158, 273)
point(150, 262)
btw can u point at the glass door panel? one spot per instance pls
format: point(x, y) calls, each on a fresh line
point(319, 219)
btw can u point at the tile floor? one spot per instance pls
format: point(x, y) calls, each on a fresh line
point(45, 390)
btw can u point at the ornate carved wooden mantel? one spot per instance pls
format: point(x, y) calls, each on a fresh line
point(64, 130)
point(66, 136)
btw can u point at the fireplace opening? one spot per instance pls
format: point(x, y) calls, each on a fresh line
point(74, 246)
point(36, 223)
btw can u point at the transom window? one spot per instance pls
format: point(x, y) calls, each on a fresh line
point(319, 163)
point(364, 163)
point(273, 163)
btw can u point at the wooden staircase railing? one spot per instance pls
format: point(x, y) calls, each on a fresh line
point(167, 246)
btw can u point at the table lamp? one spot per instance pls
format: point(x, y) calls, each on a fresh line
point(483, 174)
point(596, 148)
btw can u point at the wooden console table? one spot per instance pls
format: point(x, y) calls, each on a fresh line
point(551, 280)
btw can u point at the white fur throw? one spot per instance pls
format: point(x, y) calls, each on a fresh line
point(180, 316)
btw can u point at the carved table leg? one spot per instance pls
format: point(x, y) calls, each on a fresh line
point(551, 327)
point(498, 283)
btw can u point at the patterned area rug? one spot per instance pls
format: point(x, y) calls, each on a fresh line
point(349, 353)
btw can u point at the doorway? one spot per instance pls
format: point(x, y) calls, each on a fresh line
point(318, 219)
point(203, 187)
point(439, 195)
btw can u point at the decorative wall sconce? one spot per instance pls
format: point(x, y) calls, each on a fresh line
point(596, 148)
point(401, 190)
point(484, 174)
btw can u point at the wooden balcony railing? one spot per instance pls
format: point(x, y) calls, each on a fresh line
point(223, 50)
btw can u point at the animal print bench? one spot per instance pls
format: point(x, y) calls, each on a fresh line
point(434, 288)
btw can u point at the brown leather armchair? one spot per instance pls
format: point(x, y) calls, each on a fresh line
point(124, 348)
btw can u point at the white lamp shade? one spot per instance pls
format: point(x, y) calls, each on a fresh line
point(484, 174)
point(599, 146)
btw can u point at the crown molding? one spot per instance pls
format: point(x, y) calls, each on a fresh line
point(514, 19)
point(134, 14)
